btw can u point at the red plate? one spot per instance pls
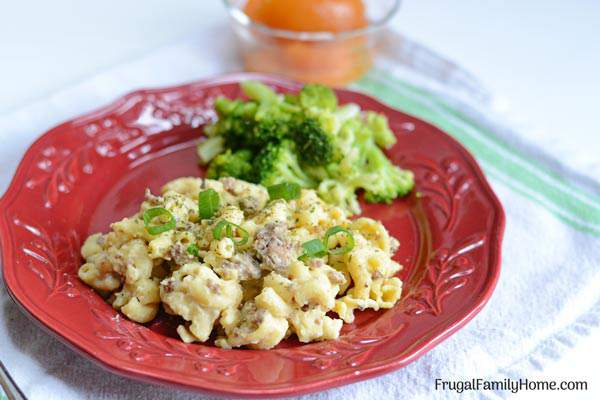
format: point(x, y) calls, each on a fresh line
point(85, 173)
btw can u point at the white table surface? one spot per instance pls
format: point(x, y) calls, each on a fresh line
point(541, 58)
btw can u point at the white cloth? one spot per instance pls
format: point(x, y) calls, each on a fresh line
point(547, 296)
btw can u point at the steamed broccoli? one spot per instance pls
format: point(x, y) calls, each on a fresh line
point(237, 127)
point(339, 193)
point(237, 165)
point(382, 134)
point(259, 92)
point(253, 123)
point(225, 106)
point(268, 131)
point(270, 104)
point(277, 162)
point(318, 96)
point(313, 144)
point(304, 138)
point(391, 181)
point(209, 149)
point(236, 120)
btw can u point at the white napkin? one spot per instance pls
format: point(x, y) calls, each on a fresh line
point(547, 296)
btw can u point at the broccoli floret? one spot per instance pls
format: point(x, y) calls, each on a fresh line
point(397, 183)
point(268, 131)
point(270, 102)
point(259, 92)
point(225, 106)
point(237, 164)
point(277, 163)
point(252, 124)
point(391, 181)
point(291, 99)
point(382, 134)
point(318, 173)
point(235, 123)
point(340, 194)
point(312, 142)
point(241, 132)
point(318, 96)
point(209, 149)
point(236, 130)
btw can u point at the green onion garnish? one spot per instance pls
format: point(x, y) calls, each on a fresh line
point(341, 250)
point(319, 248)
point(313, 248)
point(219, 228)
point(167, 219)
point(285, 190)
point(224, 225)
point(208, 203)
point(193, 249)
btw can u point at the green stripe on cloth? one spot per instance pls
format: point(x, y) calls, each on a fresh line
point(2, 395)
point(558, 213)
point(497, 141)
point(578, 210)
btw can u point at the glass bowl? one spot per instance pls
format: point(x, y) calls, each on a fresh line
point(332, 58)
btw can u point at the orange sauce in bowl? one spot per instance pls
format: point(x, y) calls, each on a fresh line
point(334, 62)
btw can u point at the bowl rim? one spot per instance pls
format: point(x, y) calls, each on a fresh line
point(243, 20)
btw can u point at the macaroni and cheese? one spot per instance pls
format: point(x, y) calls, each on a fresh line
point(242, 276)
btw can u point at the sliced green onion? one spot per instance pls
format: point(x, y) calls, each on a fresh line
point(208, 203)
point(313, 248)
point(285, 190)
point(228, 227)
point(162, 213)
point(193, 249)
point(341, 250)
point(218, 229)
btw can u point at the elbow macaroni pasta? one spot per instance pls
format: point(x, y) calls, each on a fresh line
point(253, 294)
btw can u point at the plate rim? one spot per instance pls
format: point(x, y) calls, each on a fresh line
point(103, 359)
